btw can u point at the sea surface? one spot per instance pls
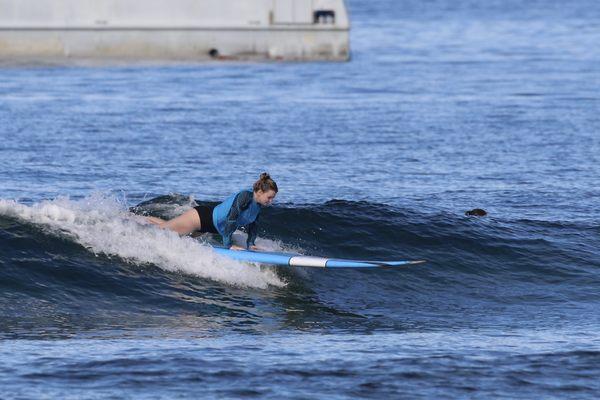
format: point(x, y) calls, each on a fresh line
point(445, 106)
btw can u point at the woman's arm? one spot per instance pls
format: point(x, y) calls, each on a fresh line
point(252, 230)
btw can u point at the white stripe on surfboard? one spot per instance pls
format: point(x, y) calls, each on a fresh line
point(307, 261)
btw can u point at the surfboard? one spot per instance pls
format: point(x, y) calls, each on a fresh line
point(299, 260)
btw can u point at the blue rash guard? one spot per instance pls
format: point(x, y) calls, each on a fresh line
point(237, 210)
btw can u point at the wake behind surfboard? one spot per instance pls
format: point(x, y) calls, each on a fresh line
point(299, 260)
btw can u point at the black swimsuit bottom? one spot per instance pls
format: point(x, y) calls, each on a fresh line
point(206, 219)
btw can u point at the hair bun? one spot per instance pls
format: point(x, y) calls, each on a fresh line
point(265, 183)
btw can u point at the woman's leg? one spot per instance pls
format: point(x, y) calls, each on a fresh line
point(186, 223)
point(155, 220)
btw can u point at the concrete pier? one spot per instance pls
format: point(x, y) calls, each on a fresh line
point(172, 30)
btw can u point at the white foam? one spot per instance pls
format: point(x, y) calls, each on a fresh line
point(104, 226)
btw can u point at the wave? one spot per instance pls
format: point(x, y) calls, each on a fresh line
point(465, 243)
point(453, 244)
point(78, 259)
point(103, 225)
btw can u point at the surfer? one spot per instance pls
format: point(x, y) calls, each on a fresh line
point(239, 209)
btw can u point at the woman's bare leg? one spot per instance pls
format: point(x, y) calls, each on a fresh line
point(155, 220)
point(186, 223)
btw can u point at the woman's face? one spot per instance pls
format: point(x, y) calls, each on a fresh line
point(265, 198)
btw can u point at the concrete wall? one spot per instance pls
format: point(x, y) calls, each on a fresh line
point(173, 29)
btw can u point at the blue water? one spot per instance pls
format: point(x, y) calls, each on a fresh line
point(443, 108)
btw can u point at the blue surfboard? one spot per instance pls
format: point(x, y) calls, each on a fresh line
point(299, 260)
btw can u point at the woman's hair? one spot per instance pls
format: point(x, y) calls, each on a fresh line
point(265, 183)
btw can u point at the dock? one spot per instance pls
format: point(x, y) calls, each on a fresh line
point(173, 30)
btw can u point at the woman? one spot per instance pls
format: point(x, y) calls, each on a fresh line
point(239, 209)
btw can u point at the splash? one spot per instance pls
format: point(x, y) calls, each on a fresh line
point(102, 224)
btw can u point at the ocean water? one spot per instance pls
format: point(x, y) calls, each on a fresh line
point(445, 107)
